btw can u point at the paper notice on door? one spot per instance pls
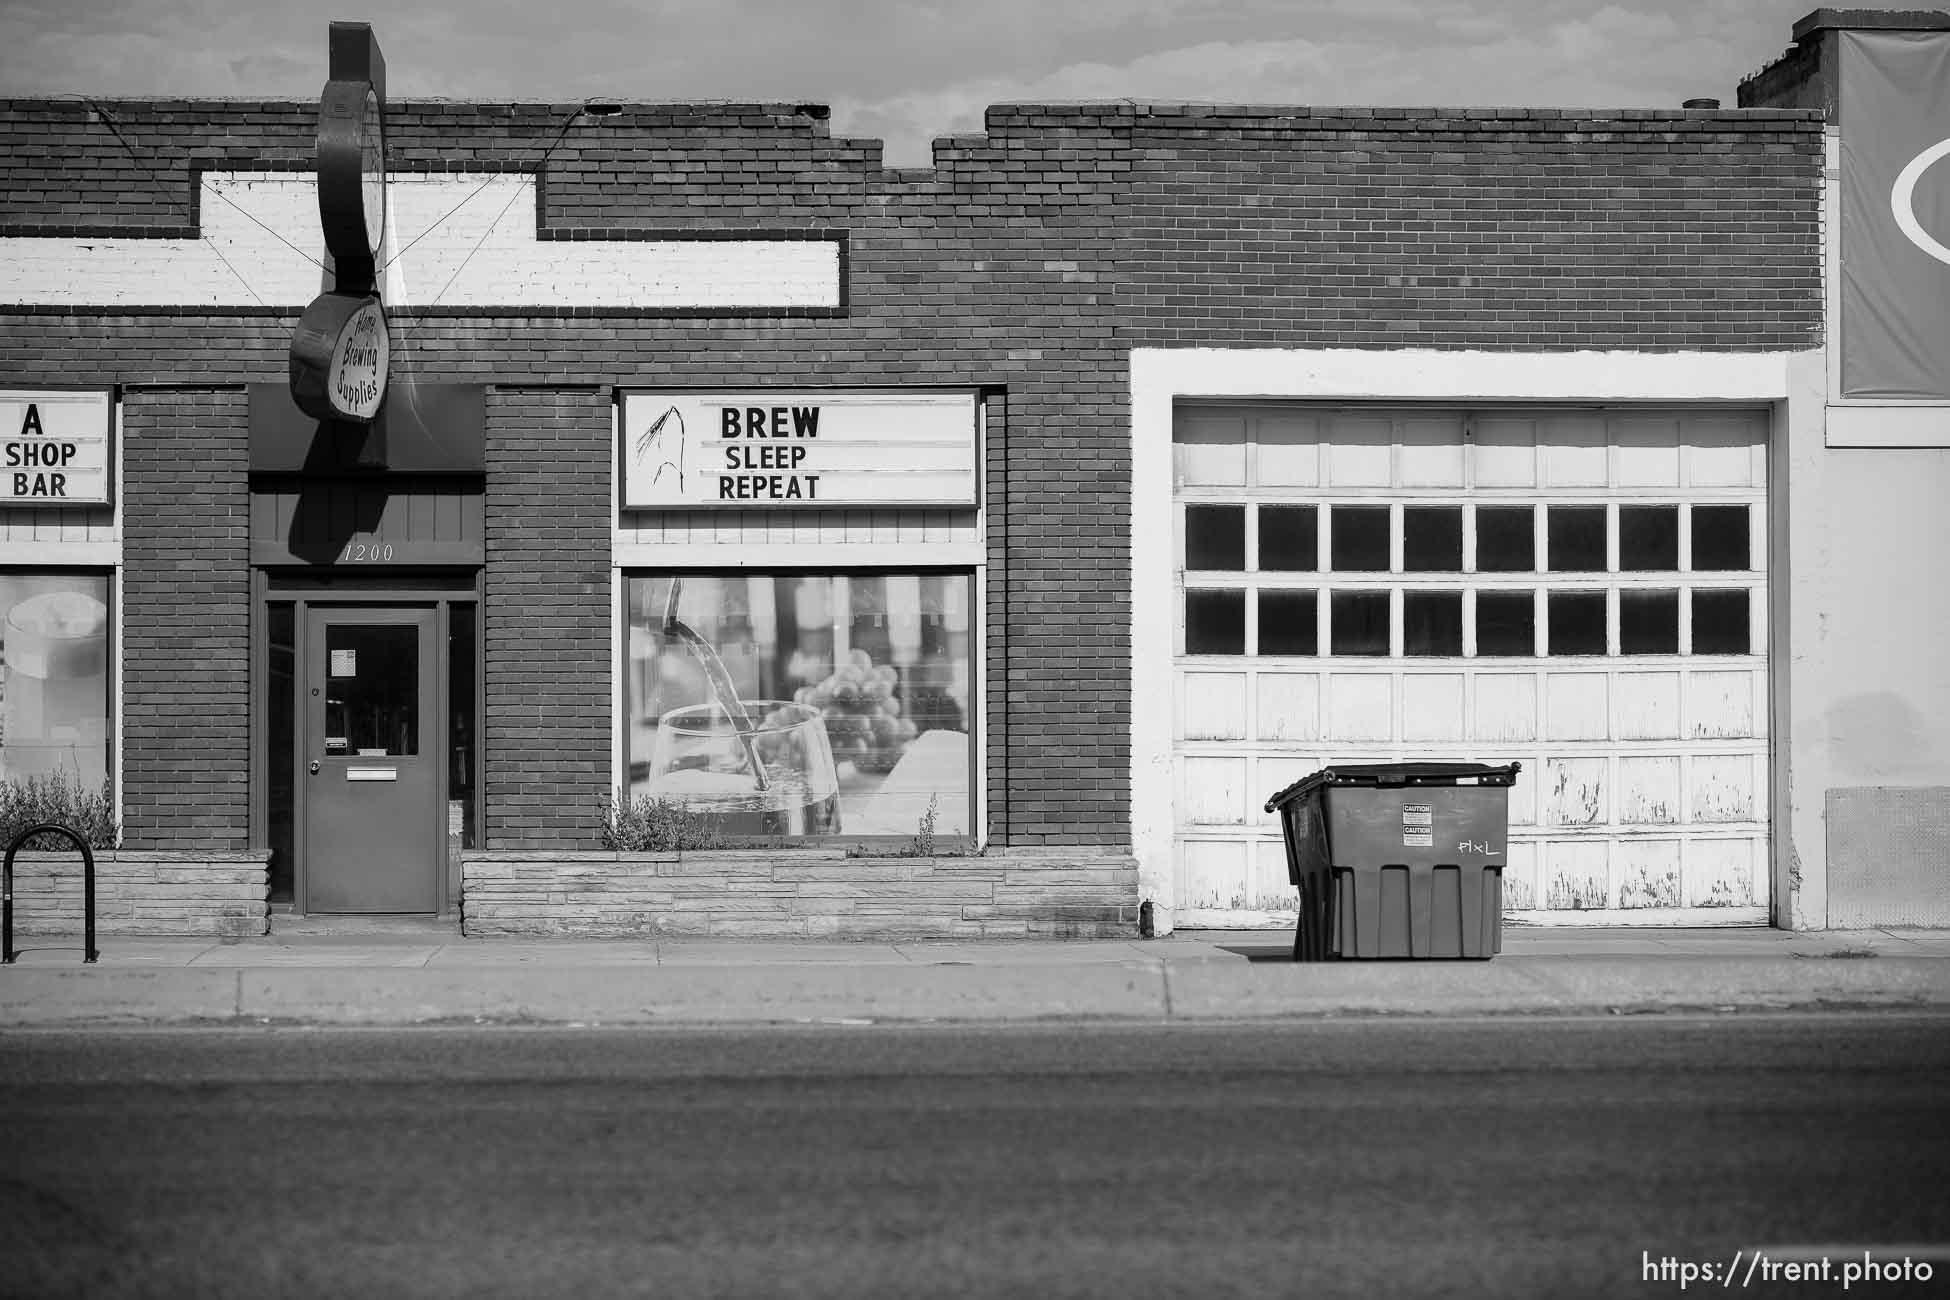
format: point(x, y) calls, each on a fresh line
point(345, 663)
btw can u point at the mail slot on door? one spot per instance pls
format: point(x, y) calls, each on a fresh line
point(372, 774)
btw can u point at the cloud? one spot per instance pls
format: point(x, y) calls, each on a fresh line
point(909, 70)
point(1383, 52)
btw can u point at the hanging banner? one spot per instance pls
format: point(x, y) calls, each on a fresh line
point(1895, 183)
point(797, 450)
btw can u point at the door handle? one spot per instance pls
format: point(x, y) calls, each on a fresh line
point(314, 767)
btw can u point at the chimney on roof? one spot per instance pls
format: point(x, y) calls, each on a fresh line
point(1701, 103)
point(1806, 76)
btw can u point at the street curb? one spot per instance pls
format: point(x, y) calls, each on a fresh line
point(607, 994)
point(694, 995)
point(1177, 991)
point(52, 997)
point(1546, 985)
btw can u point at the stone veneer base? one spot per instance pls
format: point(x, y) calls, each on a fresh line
point(223, 895)
point(801, 893)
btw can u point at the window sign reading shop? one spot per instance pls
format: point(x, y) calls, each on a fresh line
point(54, 448)
point(797, 450)
point(803, 704)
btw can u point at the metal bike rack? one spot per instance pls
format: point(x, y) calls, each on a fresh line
point(88, 889)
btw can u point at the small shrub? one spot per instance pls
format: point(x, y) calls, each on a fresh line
point(648, 824)
point(922, 845)
point(28, 801)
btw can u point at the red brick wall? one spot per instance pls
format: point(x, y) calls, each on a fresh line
point(545, 621)
point(1486, 228)
point(1028, 262)
point(185, 728)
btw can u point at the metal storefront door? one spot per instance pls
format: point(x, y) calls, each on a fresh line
point(371, 838)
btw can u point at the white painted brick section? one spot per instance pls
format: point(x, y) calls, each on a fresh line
point(454, 240)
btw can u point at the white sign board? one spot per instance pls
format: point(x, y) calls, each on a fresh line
point(54, 448)
point(797, 450)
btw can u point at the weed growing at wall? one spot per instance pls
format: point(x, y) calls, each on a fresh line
point(655, 825)
point(923, 843)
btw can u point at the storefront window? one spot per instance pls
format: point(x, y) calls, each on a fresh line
point(804, 704)
point(54, 672)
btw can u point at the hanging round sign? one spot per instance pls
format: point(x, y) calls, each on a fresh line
point(352, 180)
point(339, 350)
point(339, 356)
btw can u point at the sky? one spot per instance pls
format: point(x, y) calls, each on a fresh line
point(906, 71)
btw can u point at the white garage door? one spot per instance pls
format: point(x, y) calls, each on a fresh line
point(1583, 591)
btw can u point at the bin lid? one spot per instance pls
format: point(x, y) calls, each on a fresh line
point(1373, 774)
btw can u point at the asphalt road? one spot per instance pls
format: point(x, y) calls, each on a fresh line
point(1360, 1158)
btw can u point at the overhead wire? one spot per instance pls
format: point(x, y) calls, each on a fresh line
point(403, 335)
point(108, 120)
point(114, 127)
point(540, 164)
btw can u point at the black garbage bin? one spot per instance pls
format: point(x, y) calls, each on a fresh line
point(1398, 859)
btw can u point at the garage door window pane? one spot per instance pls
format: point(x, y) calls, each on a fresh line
point(1577, 622)
point(1648, 538)
point(1506, 623)
point(1360, 622)
point(1506, 539)
point(1289, 539)
point(1576, 538)
point(1720, 538)
point(1288, 623)
point(1432, 539)
point(1648, 622)
point(1360, 538)
point(1215, 622)
point(1215, 537)
point(1432, 623)
point(1720, 623)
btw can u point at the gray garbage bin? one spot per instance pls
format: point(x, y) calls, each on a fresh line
point(1398, 859)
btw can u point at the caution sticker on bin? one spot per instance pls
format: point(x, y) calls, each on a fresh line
point(1418, 826)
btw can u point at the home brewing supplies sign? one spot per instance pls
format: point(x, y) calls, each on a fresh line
point(340, 350)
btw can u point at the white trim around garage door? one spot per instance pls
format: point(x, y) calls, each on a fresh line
point(1160, 378)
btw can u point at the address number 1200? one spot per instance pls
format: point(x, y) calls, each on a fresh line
point(369, 552)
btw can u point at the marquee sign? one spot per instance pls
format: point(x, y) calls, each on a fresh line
point(55, 448)
point(797, 450)
point(339, 353)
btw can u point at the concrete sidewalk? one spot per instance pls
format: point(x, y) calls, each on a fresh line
point(422, 974)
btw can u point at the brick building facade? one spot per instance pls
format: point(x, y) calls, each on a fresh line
point(1110, 284)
